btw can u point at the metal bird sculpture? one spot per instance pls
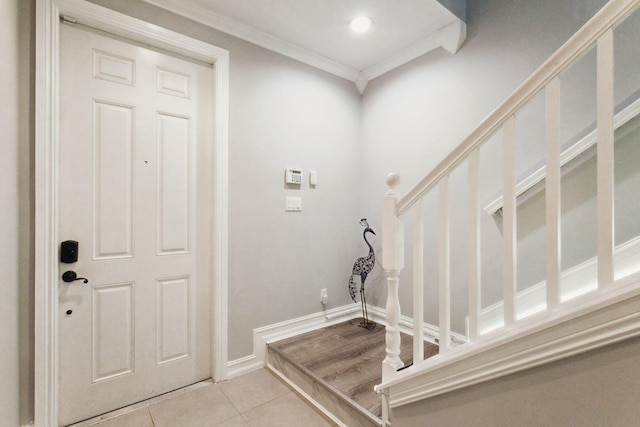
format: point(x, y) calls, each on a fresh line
point(363, 267)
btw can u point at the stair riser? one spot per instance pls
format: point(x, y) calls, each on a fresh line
point(350, 413)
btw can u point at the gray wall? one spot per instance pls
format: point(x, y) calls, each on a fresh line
point(457, 7)
point(16, 231)
point(599, 388)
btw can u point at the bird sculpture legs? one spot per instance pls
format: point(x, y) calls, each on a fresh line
point(365, 314)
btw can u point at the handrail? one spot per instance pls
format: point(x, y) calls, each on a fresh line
point(608, 16)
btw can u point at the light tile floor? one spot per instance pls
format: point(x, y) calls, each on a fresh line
point(256, 399)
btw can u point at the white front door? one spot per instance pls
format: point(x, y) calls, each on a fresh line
point(135, 193)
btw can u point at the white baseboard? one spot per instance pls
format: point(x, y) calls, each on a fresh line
point(405, 324)
point(278, 331)
point(243, 366)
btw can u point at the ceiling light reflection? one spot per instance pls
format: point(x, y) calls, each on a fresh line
point(360, 24)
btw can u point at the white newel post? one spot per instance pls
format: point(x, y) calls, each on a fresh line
point(392, 263)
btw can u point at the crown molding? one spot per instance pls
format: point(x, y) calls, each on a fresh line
point(201, 14)
point(450, 37)
point(361, 82)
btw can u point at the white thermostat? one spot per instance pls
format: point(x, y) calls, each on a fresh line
point(293, 176)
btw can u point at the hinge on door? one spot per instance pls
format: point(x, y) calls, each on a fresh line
point(68, 19)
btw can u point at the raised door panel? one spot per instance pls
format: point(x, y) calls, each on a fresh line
point(113, 184)
point(113, 343)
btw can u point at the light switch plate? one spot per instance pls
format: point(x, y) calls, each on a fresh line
point(294, 204)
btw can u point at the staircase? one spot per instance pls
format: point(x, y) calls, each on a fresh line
point(573, 303)
point(583, 300)
point(338, 366)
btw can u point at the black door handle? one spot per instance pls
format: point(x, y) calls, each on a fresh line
point(71, 276)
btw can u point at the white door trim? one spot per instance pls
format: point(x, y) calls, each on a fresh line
point(48, 14)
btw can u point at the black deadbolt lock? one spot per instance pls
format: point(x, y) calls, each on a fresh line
point(69, 251)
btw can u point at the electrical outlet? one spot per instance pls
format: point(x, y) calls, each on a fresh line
point(324, 298)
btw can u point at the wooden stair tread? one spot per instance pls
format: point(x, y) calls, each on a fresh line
point(346, 358)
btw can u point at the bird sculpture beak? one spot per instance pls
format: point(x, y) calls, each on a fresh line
point(374, 233)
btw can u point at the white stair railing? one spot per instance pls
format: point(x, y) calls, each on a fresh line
point(447, 371)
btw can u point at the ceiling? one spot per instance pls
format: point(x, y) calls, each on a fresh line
point(316, 32)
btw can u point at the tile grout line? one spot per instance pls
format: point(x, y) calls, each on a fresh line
point(234, 406)
point(153, 423)
point(140, 405)
point(294, 389)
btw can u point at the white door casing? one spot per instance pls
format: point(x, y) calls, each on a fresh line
point(134, 190)
point(47, 274)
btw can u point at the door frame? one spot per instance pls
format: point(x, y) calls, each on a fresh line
point(48, 15)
